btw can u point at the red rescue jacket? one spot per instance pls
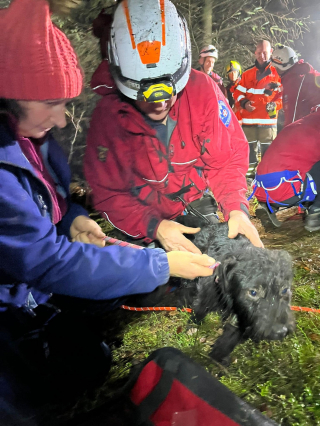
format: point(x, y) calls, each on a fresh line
point(296, 147)
point(132, 174)
point(251, 88)
point(219, 80)
point(301, 91)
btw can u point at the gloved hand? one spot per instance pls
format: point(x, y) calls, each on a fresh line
point(271, 108)
point(270, 88)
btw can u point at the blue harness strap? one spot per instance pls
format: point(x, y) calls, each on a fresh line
point(272, 181)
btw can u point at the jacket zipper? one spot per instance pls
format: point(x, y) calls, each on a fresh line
point(44, 207)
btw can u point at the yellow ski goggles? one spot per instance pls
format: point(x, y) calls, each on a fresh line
point(156, 92)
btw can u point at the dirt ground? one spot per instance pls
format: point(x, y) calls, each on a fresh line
point(291, 236)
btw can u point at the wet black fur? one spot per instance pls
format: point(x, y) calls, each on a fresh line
point(252, 284)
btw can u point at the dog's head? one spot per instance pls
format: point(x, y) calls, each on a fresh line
point(259, 292)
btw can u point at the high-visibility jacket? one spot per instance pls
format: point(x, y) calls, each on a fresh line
point(252, 88)
point(230, 92)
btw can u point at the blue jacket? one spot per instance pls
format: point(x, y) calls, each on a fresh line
point(38, 253)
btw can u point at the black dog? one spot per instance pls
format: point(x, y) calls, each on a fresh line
point(251, 284)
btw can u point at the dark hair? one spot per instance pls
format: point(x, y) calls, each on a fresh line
point(11, 107)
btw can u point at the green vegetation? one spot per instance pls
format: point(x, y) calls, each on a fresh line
point(280, 378)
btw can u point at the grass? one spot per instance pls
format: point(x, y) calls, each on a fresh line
point(279, 378)
point(282, 379)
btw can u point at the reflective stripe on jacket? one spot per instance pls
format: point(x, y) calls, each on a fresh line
point(251, 88)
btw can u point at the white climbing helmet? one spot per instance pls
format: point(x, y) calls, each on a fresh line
point(283, 58)
point(208, 51)
point(149, 50)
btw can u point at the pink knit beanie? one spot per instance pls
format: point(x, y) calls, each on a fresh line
point(37, 60)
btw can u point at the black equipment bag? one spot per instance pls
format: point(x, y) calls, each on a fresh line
point(170, 389)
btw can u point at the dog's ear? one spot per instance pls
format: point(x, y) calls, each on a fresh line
point(226, 271)
point(224, 275)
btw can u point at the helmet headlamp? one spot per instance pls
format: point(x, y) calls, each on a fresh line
point(156, 90)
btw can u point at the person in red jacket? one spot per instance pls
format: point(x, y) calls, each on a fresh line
point(256, 97)
point(207, 58)
point(289, 173)
point(162, 134)
point(300, 84)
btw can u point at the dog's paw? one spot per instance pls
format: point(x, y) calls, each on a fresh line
point(219, 356)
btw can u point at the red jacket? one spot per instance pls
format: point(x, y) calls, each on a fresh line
point(301, 91)
point(251, 88)
point(297, 147)
point(217, 79)
point(130, 171)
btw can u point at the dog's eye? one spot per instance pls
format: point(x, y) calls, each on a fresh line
point(285, 291)
point(253, 293)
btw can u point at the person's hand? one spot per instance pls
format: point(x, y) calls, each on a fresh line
point(189, 265)
point(239, 223)
point(85, 230)
point(170, 235)
point(249, 106)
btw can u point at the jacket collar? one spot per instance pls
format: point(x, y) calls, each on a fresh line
point(10, 151)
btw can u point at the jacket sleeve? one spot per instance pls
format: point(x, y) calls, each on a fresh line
point(227, 156)
point(239, 94)
point(110, 181)
point(32, 252)
point(313, 87)
point(277, 96)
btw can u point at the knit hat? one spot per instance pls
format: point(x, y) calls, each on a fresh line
point(37, 60)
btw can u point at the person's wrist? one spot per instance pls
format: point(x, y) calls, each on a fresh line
point(234, 213)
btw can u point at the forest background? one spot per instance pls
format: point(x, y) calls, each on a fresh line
point(232, 26)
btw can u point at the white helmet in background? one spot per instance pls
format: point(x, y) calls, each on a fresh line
point(208, 51)
point(283, 58)
point(149, 50)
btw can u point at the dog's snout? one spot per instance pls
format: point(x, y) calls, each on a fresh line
point(279, 332)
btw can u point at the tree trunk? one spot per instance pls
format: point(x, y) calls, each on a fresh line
point(207, 22)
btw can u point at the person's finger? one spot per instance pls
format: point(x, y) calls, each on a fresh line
point(188, 230)
point(255, 239)
point(203, 260)
point(94, 229)
point(99, 242)
point(201, 271)
point(82, 237)
point(233, 230)
point(189, 246)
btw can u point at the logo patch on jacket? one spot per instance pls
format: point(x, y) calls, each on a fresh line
point(102, 153)
point(224, 113)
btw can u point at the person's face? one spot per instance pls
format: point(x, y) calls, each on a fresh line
point(40, 116)
point(207, 63)
point(156, 110)
point(263, 52)
point(232, 76)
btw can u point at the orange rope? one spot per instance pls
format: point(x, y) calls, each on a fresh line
point(171, 308)
point(155, 308)
point(301, 309)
